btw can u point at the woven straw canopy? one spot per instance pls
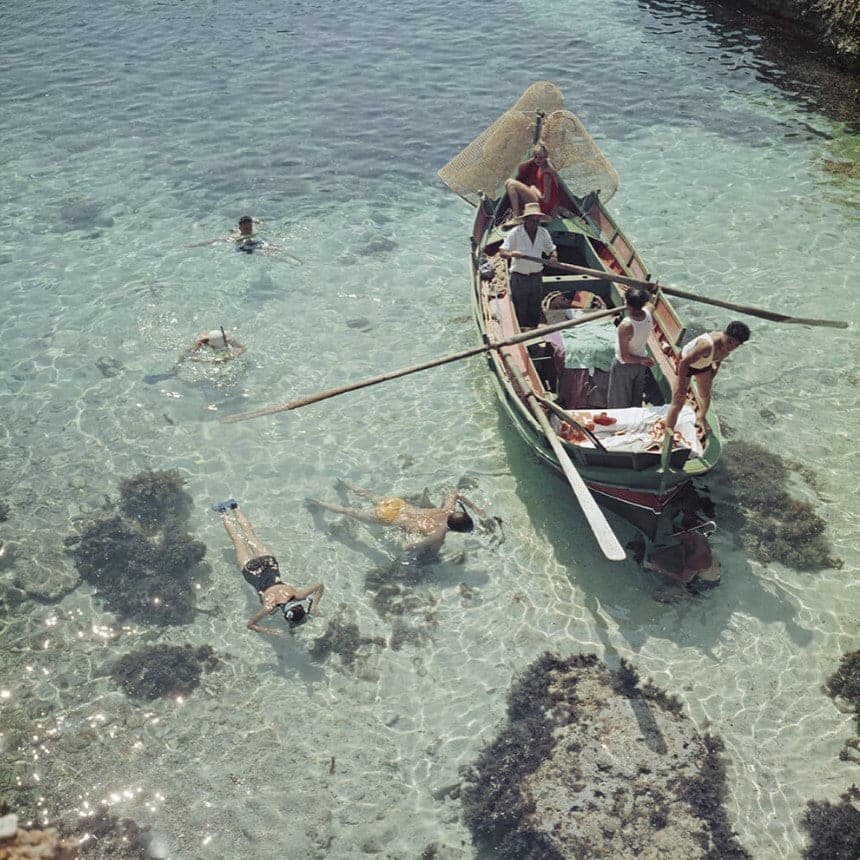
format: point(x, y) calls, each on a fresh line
point(493, 156)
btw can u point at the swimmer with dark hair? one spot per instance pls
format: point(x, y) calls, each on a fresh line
point(702, 358)
point(261, 571)
point(429, 525)
point(245, 239)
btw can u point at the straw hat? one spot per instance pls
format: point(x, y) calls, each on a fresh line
point(531, 209)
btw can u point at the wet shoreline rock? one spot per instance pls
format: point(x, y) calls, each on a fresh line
point(594, 763)
point(833, 25)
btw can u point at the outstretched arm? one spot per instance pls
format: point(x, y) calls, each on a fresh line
point(430, 542)
point(471, 505)
point(257, 616)
point(315, 590)
point(206, 242)
point(237, 347)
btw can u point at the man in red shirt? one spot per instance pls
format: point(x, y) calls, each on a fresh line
point(536, 182)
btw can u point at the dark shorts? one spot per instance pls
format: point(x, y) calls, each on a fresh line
point(262, 573)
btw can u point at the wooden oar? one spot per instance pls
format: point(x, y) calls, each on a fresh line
point(566, 416)
point(525, 337)
point(681, 294)
point(603, 533)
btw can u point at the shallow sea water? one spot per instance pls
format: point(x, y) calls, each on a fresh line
point(132, 130)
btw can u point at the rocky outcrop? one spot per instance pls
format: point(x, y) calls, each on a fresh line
point(594, 764)
point(833, 24)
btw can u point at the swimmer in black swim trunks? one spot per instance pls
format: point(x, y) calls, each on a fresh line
point(260, 569)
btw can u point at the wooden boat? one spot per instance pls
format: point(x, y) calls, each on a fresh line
point(638, 481)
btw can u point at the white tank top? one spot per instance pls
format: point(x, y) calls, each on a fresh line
point(638, 343)
point(694, 344)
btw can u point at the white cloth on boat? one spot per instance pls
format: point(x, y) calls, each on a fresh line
point(640, 429)
point(589, 346)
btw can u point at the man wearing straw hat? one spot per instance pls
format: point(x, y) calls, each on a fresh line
point(528, 239)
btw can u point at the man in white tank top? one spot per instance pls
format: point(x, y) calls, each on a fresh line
point(702, 358)
point(629, 370)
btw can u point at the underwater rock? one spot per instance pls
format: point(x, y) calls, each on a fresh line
point(101, 836)
point(139, 576)
point(4, 512)
point(393, 590)
point(773, 526)
point(595, 764)
point(834, 830)
point(161, 671)
point(361, 324)
point(845, 681)
point(155, 499)
point(35, 844)
point(844, 685)
point(344, 639)
point(109, 366)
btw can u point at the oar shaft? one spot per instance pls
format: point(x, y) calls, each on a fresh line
point(566, 416)
point(600, 527)
point(524, 337)
point(682, 294)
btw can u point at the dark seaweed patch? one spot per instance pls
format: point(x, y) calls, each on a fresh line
point(834, 829)
point(344, 639)
point(155, 499)
point(773, 525)
point(142, 562)
point(160, 671)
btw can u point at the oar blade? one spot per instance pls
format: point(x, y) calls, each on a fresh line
point(603, 533)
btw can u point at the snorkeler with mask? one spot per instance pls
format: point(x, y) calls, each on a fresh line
point(260, 569)
point(430, 525)
point(215, 346)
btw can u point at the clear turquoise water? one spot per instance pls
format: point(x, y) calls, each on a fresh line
point(132, 130)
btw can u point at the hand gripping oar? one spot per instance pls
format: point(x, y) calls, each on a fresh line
point(682, 294)
point(525, 337)
point(603, 533)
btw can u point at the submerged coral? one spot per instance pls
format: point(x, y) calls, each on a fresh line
point(4, 512)
point(142, 560)
point(344, 639)
point(844, 684)
point(845, 681)
point(156, 499)
point(140, 576)
point(102, 836)
point(595, 764)
point(392, 589)
point(773, 525)
point(834, 829)
point(158, 671)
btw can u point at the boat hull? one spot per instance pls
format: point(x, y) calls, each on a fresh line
point(633, 486)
